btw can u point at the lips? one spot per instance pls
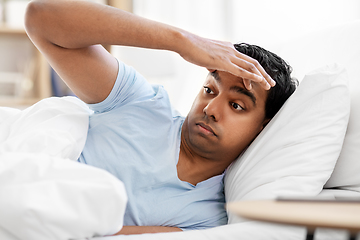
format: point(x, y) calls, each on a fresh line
point(206, 128)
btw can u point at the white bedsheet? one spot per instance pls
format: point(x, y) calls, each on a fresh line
point(44, 193)
point(251, 230)
point(238, 231)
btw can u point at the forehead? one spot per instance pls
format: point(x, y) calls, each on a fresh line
point(230, 83)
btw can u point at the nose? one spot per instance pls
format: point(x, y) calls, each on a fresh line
point(213, 109)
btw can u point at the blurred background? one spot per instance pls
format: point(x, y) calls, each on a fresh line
point(25, 76)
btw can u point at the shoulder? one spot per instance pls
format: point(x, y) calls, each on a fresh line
point(129, 86)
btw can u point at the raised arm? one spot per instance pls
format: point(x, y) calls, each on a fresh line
point(68, 33)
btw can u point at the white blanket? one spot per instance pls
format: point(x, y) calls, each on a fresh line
point(44, 192)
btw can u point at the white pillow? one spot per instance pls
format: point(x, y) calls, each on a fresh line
point(338, 44)
point(296, 152)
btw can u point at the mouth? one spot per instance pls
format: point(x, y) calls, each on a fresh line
point(206, 129)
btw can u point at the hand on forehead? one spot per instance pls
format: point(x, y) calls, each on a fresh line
point(228, 77)
point(235, 83)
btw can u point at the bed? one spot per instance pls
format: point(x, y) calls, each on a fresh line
point(310, 148)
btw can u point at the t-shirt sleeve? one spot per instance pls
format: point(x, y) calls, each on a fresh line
point(130, 86)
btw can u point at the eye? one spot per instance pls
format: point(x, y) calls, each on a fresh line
point(237, 106)
point(208, 90)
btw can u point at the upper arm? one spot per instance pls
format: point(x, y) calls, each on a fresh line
point(89, 71)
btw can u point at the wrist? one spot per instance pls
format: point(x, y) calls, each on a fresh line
point(180, 42)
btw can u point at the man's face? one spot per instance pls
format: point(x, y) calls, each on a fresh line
point(225, 117)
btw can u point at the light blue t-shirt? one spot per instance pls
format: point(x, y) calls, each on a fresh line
point(135, 135)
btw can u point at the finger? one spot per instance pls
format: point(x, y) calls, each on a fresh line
point(267, 77)
point(248, 71)
point(247, 84)
point(254, 64)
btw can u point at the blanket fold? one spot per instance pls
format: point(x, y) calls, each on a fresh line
point(44, 192)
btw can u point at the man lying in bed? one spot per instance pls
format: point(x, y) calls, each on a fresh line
point(172, 166)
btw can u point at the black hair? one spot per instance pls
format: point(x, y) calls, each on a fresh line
point(278, 69)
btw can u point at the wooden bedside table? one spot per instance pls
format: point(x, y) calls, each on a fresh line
point(311, 214)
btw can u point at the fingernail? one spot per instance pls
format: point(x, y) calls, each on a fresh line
point(273, 82)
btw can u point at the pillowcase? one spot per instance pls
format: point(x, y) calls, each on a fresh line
point(296, 152)
point(346, 174)
point(340, 44)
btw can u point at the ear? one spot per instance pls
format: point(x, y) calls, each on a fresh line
point(265, 122)
point(263, 125)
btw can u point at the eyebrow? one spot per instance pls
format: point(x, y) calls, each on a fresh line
point(237, 89)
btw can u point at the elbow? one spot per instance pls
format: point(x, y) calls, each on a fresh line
point(33, 18)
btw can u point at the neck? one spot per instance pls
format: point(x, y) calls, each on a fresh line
point(194, 168)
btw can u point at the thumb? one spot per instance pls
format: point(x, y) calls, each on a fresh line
point(247, 84)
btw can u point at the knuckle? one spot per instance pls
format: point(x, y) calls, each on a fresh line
point(229, 44)
point(241, 70)
point(258, 65)
point(251, 67)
